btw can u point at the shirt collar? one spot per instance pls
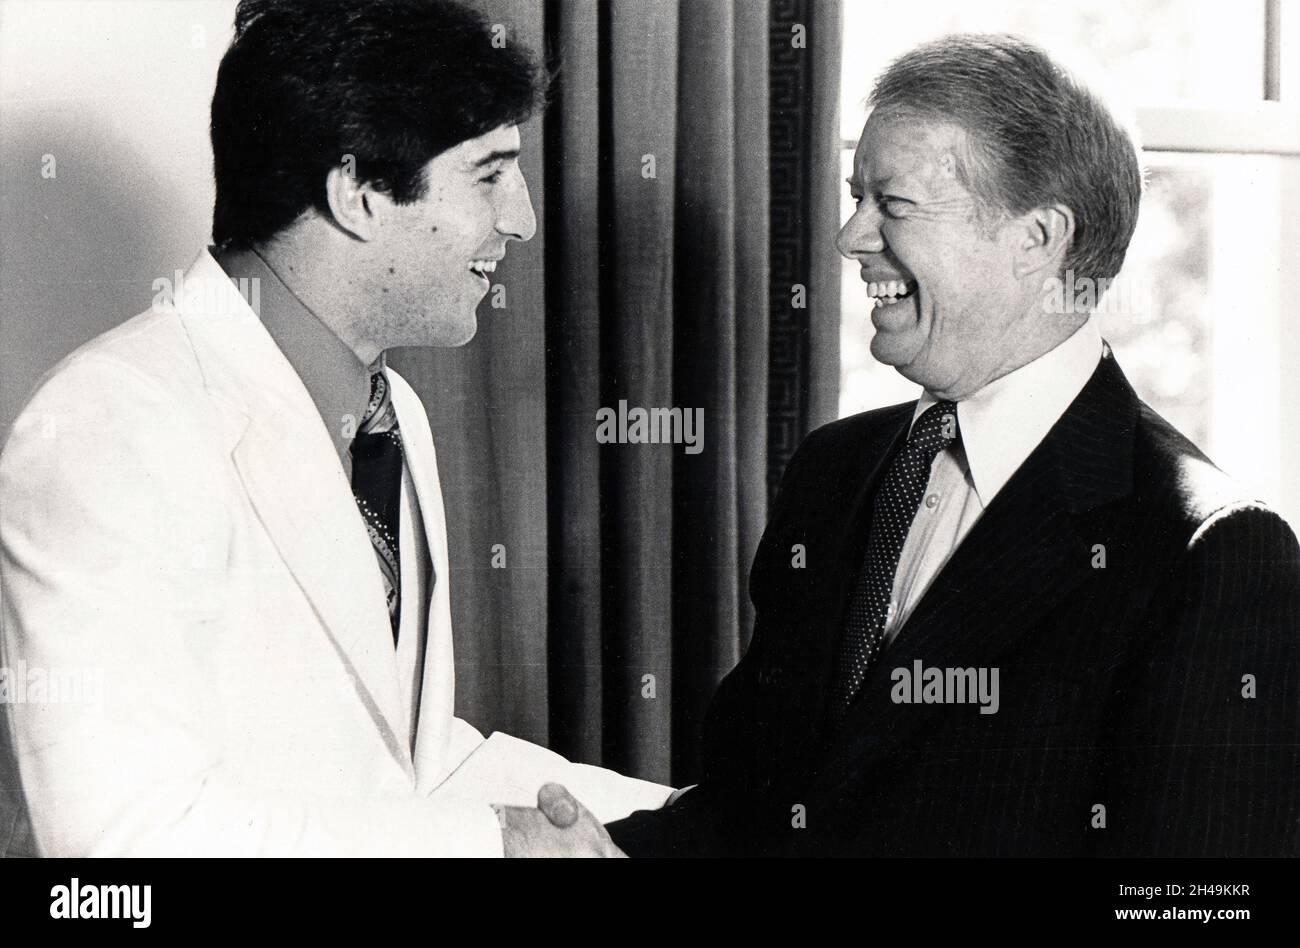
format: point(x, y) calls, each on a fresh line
point(337, 381)
point(1002, 423)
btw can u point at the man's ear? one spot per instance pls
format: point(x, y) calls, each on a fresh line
point(352, 203)
point(1044, 235)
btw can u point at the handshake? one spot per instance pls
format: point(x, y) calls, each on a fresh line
point(559, 826)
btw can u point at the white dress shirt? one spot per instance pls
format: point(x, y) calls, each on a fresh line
point(1000, 427)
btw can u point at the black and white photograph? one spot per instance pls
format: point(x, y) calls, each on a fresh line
point(650, 429)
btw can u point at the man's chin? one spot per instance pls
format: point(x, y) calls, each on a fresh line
point(462, 338)
point(895, 349)
point(451, 335)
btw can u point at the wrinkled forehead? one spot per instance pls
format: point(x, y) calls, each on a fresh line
point(900, 146)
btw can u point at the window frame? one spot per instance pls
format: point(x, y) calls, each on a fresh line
point(1270, 126)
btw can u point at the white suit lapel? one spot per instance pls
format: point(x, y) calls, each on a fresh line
point(438, 698)
point(295, 481)
point(325, 546)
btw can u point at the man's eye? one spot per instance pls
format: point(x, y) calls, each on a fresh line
point(892, 207)
point(493, 178)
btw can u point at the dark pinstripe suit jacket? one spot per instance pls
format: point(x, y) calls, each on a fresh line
point(1122, 687)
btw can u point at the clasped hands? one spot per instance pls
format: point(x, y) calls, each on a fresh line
point(559, 826)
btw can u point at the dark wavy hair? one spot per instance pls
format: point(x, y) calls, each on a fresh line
point(1039, 137)
point(391, 83)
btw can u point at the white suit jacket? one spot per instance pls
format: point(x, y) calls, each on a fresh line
point(174, 519)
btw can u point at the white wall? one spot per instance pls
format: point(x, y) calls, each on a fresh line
point(118, 94)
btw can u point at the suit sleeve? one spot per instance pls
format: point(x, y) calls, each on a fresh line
point(1207, 753)
point(113, 540)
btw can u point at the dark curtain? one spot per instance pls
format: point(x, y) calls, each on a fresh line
point(685, 177)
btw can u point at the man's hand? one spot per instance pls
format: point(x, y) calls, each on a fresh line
point(560, 826)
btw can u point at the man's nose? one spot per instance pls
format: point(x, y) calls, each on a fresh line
point(861, 232)
point(516, 218)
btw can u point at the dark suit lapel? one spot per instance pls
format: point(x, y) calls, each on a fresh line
point(1022, 557)
point(854, 518)
point(848, 521)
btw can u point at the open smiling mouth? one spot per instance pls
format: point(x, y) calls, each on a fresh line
point(891, 291)
point(481, 269)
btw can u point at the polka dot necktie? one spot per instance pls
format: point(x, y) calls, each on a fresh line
point(377, 486)
point(892, 512)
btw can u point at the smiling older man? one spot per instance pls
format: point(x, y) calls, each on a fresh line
point(1029, 526)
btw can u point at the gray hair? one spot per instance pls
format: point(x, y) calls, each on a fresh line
point(1038, 137)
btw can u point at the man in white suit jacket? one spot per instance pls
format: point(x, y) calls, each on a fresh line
point(176, 512)
point(176, 519)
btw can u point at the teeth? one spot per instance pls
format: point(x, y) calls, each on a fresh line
point(887, 289)
point(483, 266)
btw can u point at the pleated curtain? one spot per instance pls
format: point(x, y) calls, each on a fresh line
point(685, 179)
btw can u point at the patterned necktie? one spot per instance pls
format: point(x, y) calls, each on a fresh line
point(377, 486)
point(892, 512)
